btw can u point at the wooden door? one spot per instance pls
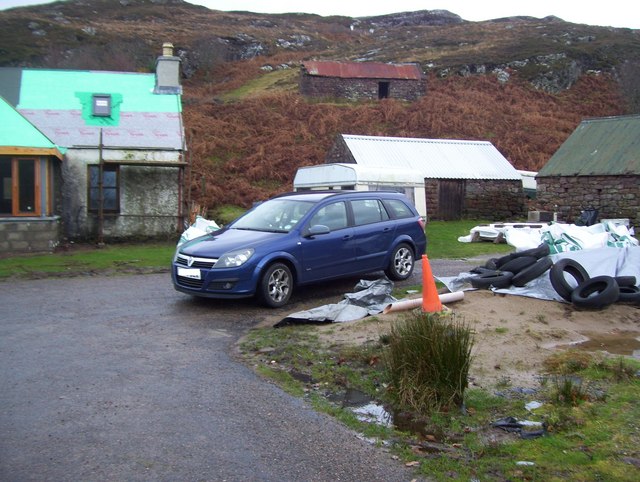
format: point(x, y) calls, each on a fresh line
point(450, 199)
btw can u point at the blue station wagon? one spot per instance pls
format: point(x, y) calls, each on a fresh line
point(301, 238)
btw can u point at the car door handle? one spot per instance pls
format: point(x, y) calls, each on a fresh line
point(386, 230)
point(347, 236)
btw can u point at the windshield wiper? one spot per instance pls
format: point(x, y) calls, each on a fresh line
point(264, 230)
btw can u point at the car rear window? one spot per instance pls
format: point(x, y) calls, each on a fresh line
point(367, 211)
point(398, 209)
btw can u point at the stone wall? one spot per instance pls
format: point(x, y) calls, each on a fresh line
point(357, 89)
point(613, 196)
point(339, 153)
point(26, 235)
point(493, 200)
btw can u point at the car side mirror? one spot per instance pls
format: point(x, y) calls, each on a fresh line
point(318, 229)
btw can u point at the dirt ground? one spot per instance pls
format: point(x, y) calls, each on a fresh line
point(514, 334)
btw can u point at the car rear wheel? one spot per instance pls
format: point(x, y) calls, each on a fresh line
point(276, 285)
point(402, 263)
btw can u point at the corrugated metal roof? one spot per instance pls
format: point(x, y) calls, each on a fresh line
point(19, 136)
point(57, 102)
point(363, 70)
point(432, 158)
point(608, 146)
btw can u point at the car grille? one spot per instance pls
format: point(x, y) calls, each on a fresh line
point(190, 282)
point(204, 263)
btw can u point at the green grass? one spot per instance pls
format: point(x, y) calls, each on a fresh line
point(116, 258)
point(428, 361)
point(595, 438)
point(442, 241)
point(226, 213)
point(278, 80)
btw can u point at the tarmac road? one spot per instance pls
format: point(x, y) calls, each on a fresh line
point(123, 378)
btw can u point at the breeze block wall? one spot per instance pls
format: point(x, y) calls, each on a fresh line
point(613, 196)
point(29, 235)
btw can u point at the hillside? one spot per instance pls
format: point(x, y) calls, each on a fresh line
point(522, 83)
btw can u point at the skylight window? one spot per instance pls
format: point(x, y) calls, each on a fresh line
point(101, 105)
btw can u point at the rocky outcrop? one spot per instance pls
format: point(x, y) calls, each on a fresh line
point(421, 17)
point(550, 73)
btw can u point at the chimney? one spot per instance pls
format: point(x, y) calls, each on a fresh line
point(167, 72)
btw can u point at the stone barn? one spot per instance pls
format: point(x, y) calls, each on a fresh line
point(446, 179)
point(362, 80)
point(598, 167)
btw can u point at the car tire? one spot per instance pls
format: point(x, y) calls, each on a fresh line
point(482, 270)
point(539, 252)
point(401, 264)
point(625, 280)
point(596, 293)
point(559, 282)
point(532, 272)
point(491, 264)
point(498, 279)
point(629, 294)
point(276, 285)
point(502, 260)
point(518, 264)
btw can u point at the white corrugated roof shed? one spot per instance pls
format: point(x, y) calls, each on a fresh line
point(432, 158)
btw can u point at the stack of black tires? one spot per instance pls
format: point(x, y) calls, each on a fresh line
point(518, 269)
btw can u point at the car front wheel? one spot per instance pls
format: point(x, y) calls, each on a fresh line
point(402, 263)
point(276, 285)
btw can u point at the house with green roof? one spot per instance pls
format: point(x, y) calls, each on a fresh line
point(29, 187)
point(598, 167)
point(110, 146)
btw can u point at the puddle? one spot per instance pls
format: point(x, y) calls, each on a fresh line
point(618, 343)
point(374, 413)
point(364, 407)
point(368, 410)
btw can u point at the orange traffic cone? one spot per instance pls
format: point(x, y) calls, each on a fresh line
point(430, 300)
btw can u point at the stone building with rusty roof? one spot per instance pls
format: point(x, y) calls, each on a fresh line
point(597, 167)
point(362, 80)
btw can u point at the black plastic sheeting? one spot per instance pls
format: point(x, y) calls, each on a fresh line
point(600, 261)
point(369, 298)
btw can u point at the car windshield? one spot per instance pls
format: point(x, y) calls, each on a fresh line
point(275, 215)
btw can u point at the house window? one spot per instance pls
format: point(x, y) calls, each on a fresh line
point(110, 188)
point(19, 187)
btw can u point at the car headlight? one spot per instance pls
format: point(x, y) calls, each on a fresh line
point(233, 259)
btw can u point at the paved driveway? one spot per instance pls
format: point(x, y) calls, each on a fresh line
point(123, 378)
